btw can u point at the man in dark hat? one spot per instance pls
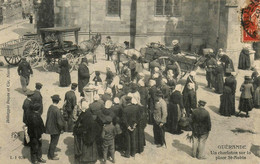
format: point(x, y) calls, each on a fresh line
point(37, 96)
point(130, 118)
point(83, 74)
point(54, 126)
point(35, 131)
point(70, 102)
point(159, 116)
point(201, 126)
point(24, 71)
point(27, 108)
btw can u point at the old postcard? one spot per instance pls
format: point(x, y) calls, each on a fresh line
point(130, 81)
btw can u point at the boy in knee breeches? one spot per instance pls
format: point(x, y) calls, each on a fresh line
point(108, 136)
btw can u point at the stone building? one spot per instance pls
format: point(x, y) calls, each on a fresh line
point(195, 23)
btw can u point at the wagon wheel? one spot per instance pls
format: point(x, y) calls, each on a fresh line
point(49, 64)
point(31, 50)
point(13, 60)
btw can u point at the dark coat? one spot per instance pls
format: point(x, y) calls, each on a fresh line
point(140, 135)
point(244, 60)
point(256, 82)
point(109, 77)
point(96, 108)
point(37, 98)
point(219, 81)
point(228, 64)
point(54, 122)
point(201, 123)
point(231, 82)
point(71, 101)
point(27, 109)
point(190, 99)
point(174, 111)
point(83, 76)
point(152, 97)
point(65, 79)
point(35, 125)
point(86, 132)
point(130, 115)
point(185, 91)
point(24, 69)
point(226, 102)
point(143, 96)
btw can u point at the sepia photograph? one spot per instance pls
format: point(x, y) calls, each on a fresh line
point(130, 81)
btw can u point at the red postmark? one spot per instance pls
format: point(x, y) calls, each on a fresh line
point(250, 21)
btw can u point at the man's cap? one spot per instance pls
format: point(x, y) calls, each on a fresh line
point(128, 98)
point(56, 97)
point(202, 103)
point(29, 92)
point(38, 85)
point(109, 37)
point(74, 85)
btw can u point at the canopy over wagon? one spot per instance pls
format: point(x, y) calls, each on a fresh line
point(54, 46)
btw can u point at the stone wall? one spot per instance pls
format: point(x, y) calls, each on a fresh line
point(202, 23)
point(190, 27)
point(11, 11)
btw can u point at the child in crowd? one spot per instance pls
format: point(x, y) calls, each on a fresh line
point(108, 136)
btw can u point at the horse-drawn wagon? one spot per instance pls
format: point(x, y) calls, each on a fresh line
point(27, 46)
point(162, 56)
point(47, 48)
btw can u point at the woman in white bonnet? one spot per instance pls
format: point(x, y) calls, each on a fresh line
point(175, 110)
point(64, 71)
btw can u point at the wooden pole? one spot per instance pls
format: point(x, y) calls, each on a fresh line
point(89, 19)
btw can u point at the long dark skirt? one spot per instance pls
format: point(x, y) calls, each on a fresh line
point(174, 114)
point(226, 105)
point(65, 79)
point(246, 105)
point(84, 154)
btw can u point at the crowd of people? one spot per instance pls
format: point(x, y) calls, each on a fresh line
point(126, 102)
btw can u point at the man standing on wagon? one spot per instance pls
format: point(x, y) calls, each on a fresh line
point(24, 71)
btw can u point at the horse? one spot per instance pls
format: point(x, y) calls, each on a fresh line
point(90, 46)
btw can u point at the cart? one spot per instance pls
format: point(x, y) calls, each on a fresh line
point(159, 54)
point(26, 46)
point(54, 46)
